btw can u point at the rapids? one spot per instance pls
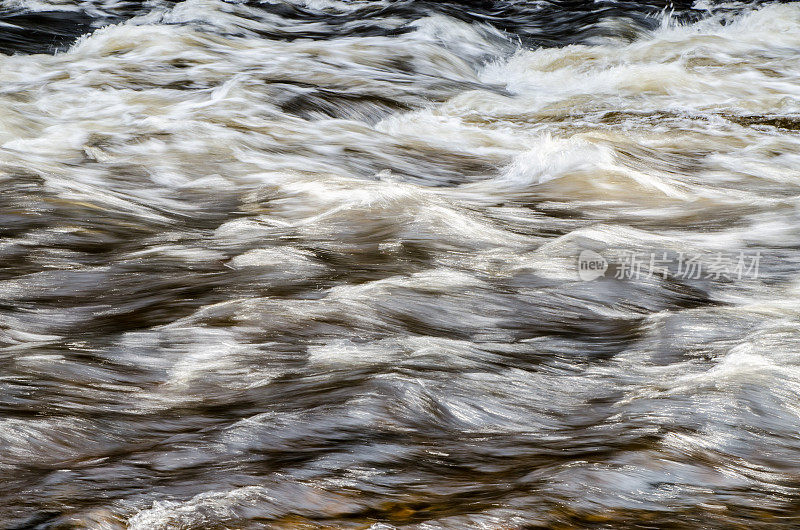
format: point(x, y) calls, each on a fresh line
point(399, 264)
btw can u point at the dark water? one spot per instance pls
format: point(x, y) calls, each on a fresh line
point(325, 264)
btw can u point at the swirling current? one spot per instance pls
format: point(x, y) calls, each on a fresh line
point(399, 264)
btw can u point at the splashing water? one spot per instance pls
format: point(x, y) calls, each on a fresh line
point(315, 264)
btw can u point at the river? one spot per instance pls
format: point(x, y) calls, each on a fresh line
point(399, 264)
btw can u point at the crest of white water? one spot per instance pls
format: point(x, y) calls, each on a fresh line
point(254, 278)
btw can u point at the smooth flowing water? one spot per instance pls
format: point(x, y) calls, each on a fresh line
point(399, 264)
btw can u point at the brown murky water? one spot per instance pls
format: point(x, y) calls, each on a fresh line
point(375, 264)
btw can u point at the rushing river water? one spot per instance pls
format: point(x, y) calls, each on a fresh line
point(389, 264)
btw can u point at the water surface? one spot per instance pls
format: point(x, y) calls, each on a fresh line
point(314, 264)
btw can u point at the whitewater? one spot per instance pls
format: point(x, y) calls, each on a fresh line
point(399, 264)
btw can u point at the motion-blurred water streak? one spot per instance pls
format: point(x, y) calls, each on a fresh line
point(315, 264)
